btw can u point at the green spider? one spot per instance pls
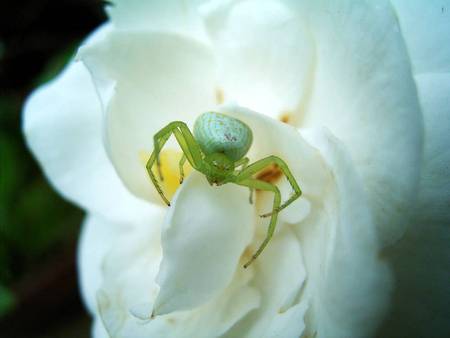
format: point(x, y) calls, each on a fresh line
point(217, 150)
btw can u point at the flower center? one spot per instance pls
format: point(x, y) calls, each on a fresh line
point(170, 169)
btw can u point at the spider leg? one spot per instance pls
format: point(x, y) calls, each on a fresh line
point(181, 164)
point(257, 184)
point(159, 140)
point(189, 146)
point(244, 163)
point(265, 162)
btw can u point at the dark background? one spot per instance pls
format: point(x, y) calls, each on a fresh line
point(39, 294)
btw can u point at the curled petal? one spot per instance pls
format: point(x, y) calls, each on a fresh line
point(348, 284)
point(364, 93)
point(62, 125)
point(91, 252)
point(204, 236)
point(128, 292)
point(420, 260)
point(147, 80)
point(280, 277)
point(425, 26)
point(346, 290)
point(266, 55)
point(168, 15)
point(98, 238)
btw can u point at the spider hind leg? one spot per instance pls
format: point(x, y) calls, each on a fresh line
point(268, 161)
point(261, 185)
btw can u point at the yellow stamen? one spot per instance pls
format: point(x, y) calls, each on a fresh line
point(170, 170)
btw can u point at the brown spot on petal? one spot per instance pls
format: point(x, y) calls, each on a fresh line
point(247, 254)
point(170, 320)
point(270, 174)
point(286, 117)
point(220, 98)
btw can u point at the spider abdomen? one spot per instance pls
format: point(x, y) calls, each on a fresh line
point(219, 133)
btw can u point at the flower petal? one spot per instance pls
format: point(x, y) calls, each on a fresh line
point(420, 260)
point(365, 94)
point(338, 236)
point(348, 285)
point(205, 235)
point(62, 125)
point(157, 78)
point(266, 54)
point(209, 320)
point(434, 92)
point(280, 276)
point(168, 15)
point(98, 329)
point(426, 27)
point(95, 241)
point(301, 158)
point(128, 292)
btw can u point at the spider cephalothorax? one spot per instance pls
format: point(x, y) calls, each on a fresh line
point(217, 149)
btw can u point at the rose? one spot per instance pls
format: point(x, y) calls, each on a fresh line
point(342, 67)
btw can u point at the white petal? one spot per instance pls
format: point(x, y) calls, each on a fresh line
point(62, 125)
point(158, 78)
point(347, 283)
point(289, 323)
point(434, 194)
point(426, 27)
point(338, 237)
point(266, 55)
point(279, 276)
point(168, 15)
point(365, 94)
point(128, 272)
point(95, 241)
point(210, 320)
point(301, 158)
point(420, 261)
point(205, 235)
point(98, 330)
point(127, 296)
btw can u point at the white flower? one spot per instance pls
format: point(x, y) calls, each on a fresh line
point(341, 74)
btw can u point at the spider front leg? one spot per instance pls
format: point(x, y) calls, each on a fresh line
point(244, 163)
point(181, 167)
point(261, 185)
point(190, 148)
point(256, 167)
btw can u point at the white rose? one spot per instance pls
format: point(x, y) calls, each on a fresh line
point(340, 74)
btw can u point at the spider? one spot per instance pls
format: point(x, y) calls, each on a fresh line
point(217, 149)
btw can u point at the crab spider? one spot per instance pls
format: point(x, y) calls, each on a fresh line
point(217, 150)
